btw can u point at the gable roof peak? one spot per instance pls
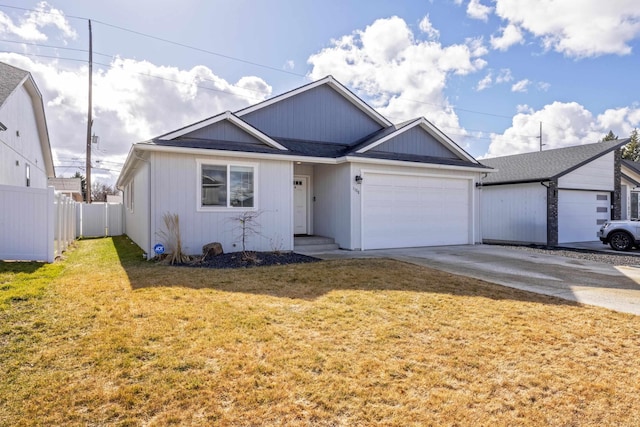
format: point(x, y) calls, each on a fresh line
point(333, 83)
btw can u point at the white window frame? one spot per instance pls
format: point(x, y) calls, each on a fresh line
point(129, 193)
point(228, 165)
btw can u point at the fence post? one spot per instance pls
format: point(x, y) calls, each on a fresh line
point(50, 218)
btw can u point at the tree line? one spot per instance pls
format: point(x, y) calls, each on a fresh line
point(631, 151)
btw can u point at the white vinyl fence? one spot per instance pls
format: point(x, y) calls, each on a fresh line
point(100, 219)
point(36, 224)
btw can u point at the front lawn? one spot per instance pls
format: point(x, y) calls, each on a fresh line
point(113, 340)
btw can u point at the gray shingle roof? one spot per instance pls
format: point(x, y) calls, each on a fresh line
point(10, 78)
point(306, 149)
point(545, 165)
point(634, 166)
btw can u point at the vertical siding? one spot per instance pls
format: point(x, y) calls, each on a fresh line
point(596, 175)
point(176, 190)
point(136, 220)
point(224, 131)
point(418, 142)
point(319, 114)
point(515, 213)
point(332, 207)
point(17, 114)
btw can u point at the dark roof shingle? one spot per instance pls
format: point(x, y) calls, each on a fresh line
point(10, 78)
point(545, 165)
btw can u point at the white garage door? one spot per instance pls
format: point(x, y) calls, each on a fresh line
point(410, 211)
point(580, 214)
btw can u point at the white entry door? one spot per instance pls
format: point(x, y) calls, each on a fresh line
point(300, 208)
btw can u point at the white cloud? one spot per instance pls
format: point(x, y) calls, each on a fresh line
point(511, 35)
point(504, 76)
point(427, 28)
point(590, 28)
point(402, 77)
point(485, 83)
point(521, 86)
point(129, 105)
point(289, 65)
point(476, 10)
point(29, 26)
point(544, 86)
point(563, 124)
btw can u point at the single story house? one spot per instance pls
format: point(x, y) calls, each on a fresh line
point(553, 196)
point(313, 161)
point(630, 189)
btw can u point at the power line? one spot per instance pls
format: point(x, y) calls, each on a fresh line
point(186, 46)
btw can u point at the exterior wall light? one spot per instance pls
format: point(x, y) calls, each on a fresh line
point(358, 179)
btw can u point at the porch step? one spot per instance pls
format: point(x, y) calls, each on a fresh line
point(310, 244)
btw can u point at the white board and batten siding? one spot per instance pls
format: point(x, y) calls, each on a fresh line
point(176, 190)
point(416, 207)
point(332, 206)
point(137, 207)
point(514, 213)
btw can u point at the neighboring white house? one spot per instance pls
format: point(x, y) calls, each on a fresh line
point(553, 196)
point(314, 161)
point(35, 222)
point(25, 151)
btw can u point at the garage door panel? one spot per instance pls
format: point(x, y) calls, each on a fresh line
point(580, 214)
point(405, 211)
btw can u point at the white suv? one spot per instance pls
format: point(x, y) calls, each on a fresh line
point(621, 235)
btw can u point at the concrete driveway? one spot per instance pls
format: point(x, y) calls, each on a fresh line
point(588, 282)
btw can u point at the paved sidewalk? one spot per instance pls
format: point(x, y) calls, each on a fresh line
point(588, 282)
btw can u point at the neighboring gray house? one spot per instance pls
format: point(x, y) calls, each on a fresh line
point(25, 151)
point(630, 190)
point(314, 161)
point(552, 196)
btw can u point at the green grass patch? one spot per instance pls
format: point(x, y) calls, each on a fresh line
point(22, 281)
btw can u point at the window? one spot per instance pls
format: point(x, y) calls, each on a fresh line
point(227, 185)
point(634, 205)
point(28, 175)
point(129, 195)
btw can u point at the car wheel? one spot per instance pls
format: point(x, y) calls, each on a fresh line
point(620, 241)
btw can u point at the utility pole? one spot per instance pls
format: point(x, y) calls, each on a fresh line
point(540, 137)
point(89, 118)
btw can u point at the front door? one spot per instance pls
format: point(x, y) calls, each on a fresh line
point(300, 209)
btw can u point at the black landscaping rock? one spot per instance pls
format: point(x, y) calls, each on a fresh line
point(251, 259)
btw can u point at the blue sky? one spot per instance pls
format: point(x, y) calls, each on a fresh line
point(485, 72)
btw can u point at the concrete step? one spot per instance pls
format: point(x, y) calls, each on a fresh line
point(315, 248)
point(311, 244)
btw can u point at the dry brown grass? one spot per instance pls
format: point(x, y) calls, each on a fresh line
point(358, 342)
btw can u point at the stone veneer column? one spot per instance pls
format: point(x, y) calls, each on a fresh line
point(617, 186)
point(552, 213)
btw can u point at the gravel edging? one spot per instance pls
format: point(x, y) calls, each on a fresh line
point(621, 258)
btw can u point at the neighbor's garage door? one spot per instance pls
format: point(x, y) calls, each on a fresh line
point(580, 214)
point(409, 211)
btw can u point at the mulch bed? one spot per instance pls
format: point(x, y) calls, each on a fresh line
point(251, 259)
